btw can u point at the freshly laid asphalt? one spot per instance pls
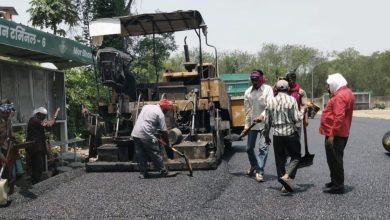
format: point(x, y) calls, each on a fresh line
point(224, 193)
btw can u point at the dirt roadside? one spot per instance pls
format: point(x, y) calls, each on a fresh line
point(374, 113)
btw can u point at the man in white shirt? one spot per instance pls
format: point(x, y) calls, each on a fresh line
point(255, 101)
point(150, 120)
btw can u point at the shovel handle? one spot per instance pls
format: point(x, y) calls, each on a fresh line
point(10, 145)
point(250, 127)
point(305, 135)
point(160, 141)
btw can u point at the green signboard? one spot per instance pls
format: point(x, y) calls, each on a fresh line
point(23, 37)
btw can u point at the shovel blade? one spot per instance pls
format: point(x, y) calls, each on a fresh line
point(232, 137)
point(3, 191)
point(306, 161)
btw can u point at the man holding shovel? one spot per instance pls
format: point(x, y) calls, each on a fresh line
point(151, 119)
point(300, 96)
point(255, 100)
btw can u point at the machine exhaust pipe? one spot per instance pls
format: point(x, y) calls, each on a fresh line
point(187, 64)
point(186, 53)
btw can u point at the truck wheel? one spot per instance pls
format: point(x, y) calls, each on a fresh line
point(386, 141)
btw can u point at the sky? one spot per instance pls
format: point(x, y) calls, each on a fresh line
point(247, 25)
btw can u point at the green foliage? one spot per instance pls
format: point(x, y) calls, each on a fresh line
point(145, 63)
point(380, 105)
point(52, 13)
point(108, 9)
point(81, 90)
point(20, 136)
point(363, 73)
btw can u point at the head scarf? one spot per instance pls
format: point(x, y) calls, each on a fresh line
point(166, 104)
point(258, 75)
point(335, 82)
point(7, 107)
point(41, 110)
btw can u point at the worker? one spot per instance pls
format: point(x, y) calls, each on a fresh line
point(6, 136)
point(151, 120)
point(335, 125)
point(255, 101)
point(282, 115)
point(300, 96)
point(38, 150)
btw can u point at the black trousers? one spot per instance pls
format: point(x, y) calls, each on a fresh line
point(37, 162)
point(287, 146)
point(334, 157)
point(146, 148)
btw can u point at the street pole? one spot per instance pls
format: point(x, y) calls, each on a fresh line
point(312, 86)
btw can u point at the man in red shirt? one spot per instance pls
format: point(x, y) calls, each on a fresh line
point(336, 121)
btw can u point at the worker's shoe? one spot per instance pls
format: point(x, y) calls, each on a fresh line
point(329, 185)
point(251, 171)
point(335, 190)
point(259, 177)
point(287, 183)
point(143, 176)
point(166, 173)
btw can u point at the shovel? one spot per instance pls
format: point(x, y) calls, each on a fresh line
point(4, 182)
point(307, 159)
point(179, 153)
point(235, 137)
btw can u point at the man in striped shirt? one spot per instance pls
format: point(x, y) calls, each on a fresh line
point(282, 115)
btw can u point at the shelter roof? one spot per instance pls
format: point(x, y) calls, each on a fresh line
point(23, 42)
point(145, 24)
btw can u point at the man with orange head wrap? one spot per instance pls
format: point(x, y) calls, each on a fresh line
point(150, 120)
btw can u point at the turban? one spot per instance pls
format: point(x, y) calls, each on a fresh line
point(336, 81)
point(41, 110)
point(166, 104)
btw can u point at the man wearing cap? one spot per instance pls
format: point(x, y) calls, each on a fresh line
point(255, 100)
point(38, 150)
point(282, 115)
point(335, 124)
point(149, 121)
point(6, 134)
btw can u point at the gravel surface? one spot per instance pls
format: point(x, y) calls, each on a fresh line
point(225, 193)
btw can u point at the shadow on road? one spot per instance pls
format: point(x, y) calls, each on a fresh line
point(303, 187)
point(28, 194)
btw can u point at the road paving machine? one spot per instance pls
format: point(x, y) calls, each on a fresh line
point(200, 118)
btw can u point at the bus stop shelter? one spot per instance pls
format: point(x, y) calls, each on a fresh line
point(28, 85)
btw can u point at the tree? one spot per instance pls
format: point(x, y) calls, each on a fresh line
point(150, 55)
point(107, 9)
point(52, 13)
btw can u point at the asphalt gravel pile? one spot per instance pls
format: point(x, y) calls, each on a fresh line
point(224, 193)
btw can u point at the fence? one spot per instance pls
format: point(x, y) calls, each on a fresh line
point(362, 100)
